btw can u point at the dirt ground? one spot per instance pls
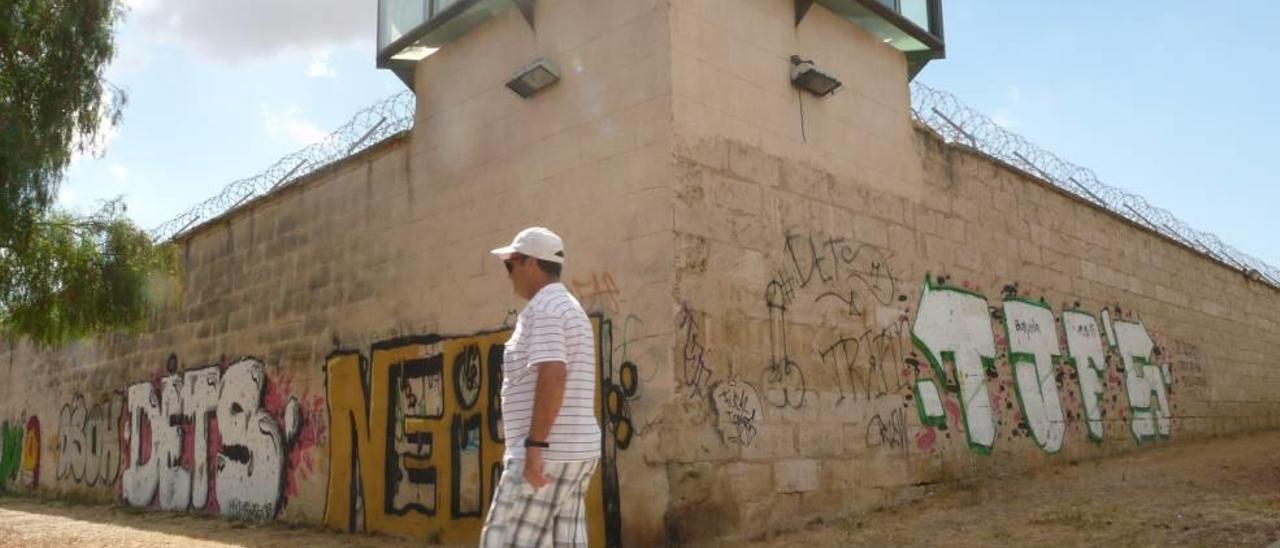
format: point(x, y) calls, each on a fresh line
point(1219, 492)
point(36, 523)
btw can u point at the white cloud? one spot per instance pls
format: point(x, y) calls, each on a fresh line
point(288, 123)
point(320, 67)
point(239, 30)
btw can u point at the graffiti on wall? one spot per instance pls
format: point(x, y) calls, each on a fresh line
point(735, 404)
point(867, 356)
point(784, 383)
point(857, 286)
point(952, 328)
point(948, 369)
point(171, 458)
point(869, 365)
point(597, 293)
point(1190, 368)
point(1087, 357)
point(841, 269)
point(695, 374)
point(409, 438)
point(20, 453)
point(888, 430)
point(738, 411)
point(221, 438)
point(89, 441)
point(1032, 339)
point(1145, 380)
point(417, 441)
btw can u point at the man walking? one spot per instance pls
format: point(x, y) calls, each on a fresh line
point(548, 397)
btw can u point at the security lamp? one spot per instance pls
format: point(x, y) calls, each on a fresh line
point(807, 76)
point(534, 78)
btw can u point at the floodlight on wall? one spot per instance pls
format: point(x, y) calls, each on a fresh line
point(807, 76)
point(534, 77)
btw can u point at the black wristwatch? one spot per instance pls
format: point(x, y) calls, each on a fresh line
point(529, 442)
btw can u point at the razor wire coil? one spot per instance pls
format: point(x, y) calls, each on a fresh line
point(940, 111)
point(379, 121)
point(956, 122)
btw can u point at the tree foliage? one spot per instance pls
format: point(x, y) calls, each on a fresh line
point(63, 275)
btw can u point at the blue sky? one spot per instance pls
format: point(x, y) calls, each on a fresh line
point(1164, 99)
point(219, 91)
point(1168, 100)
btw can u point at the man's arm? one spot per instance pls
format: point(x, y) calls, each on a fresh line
point(547, 398)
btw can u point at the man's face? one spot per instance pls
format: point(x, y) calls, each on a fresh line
point(519, 271)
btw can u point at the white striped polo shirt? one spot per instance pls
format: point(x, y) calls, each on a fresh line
point(552, 327)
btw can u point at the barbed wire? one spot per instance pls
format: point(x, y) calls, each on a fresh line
point(938, 110)
point(958, 123)
point(369, 126)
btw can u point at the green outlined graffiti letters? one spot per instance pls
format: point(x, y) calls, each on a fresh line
point(1144, 381)
point(1085, 353)
point(1033, 348)
point(952, 325)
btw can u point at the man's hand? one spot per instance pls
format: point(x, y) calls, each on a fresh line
point(533, 468)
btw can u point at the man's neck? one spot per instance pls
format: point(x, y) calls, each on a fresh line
point(537, 287)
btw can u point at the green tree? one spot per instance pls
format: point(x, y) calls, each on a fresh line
point(63, 276)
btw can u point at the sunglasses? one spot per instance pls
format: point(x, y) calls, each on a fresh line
point(510, 263)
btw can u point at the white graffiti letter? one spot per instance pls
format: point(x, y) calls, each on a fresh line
point(1149, 416)
point(251, 463)
point(104, 439)
point(1086, 355)
point(89, 445)
point(141, 478)
point(1033, 344)
point(199, 402)
point(71, 440)
point(952, 324)
point(175, 481)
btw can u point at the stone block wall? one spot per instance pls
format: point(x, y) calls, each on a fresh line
point(331, 358)
point(804, 307)
point(866, 310)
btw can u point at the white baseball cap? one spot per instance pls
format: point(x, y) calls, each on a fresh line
point(536, 242)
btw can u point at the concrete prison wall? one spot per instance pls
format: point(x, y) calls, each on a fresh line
point(803, 308)
point(866, 310)
point(332, 359)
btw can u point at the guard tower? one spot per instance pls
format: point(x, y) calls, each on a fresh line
point(676, 145)
point(410, 30)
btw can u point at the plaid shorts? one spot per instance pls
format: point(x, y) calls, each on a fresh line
point(555, 515)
